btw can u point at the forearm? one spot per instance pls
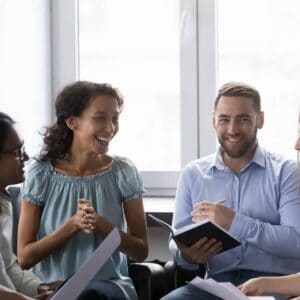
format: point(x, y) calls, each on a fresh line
point(34, 252)
point(9, 294)
point(132, 246)
point(285, 285)
point(24, 281)
point(274, 239)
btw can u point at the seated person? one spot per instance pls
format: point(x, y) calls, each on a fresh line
point(12, 159)
point(285, 285)
point(76, 193)
point(261, 193)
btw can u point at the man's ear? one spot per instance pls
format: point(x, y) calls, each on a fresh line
point(214, 121)
point(71, 123)
point(260, 120)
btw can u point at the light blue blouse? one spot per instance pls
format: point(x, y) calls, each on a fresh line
point(58, 194)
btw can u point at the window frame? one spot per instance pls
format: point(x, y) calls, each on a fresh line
point(197, 78)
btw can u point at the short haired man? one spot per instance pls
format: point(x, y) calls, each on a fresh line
point(261, 191)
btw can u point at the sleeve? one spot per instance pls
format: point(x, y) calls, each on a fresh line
point(12, 275)
point(129, 180)
point(24, 281)
point(281, 238)
point(182, 214)
point(36, 183)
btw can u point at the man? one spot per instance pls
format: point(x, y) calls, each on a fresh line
point(261, 193)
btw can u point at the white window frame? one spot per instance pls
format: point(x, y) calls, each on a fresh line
point(197, 78)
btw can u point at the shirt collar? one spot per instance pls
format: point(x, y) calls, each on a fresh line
point(258, 158)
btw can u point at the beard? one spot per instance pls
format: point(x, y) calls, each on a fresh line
point(240, 151)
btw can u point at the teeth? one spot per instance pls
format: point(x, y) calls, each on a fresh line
point(103, 139)
point(233, 139)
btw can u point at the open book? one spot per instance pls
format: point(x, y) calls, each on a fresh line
point(192, 233)
point(224, 290)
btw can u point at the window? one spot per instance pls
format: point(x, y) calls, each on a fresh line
point(168, 58)
point(25, 92)
point(261, 46)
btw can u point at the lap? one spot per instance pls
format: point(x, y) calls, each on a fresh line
point(188, 292)
point(102, 290)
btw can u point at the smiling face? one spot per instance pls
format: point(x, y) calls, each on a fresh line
point(11, 164)
point(236, 122)
point(96, 126)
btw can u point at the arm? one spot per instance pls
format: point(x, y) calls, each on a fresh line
point(31, 250)
point(284, 285)
point(9, 294)
point(282, 239)
point(134, 243)
point(203, 250)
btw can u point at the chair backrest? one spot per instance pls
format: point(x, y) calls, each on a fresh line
point(14, 193)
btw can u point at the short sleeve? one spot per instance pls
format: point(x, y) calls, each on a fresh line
point(129, 179)
point(35, 186)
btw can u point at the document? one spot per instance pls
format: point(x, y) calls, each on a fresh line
point(224, 290)
point(72, 288)
point(192, 233)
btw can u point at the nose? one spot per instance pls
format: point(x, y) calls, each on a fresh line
point(25, 156)
point(232, 127)
point(110, 127)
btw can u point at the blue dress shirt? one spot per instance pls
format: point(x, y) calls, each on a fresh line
point(265, 196)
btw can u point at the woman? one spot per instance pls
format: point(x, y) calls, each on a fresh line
point(12, 158)
point(76, 193)
point(284, 285)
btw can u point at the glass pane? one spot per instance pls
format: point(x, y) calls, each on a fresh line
point(259, 43)
point(24, 69)
point(134, 45)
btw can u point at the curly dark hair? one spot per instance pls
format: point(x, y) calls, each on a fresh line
point(71, 102)
point(6, 123)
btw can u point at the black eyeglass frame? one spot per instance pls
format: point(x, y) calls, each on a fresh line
point(19, 152)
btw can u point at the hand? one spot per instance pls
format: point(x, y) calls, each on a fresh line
point(218, 213)
point(49, 286)
point(200, 252)
point(85, 217)
point(253, 287)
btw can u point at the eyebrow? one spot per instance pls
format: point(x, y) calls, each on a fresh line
point(238, 116)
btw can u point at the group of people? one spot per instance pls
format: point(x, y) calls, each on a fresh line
point(74, 193)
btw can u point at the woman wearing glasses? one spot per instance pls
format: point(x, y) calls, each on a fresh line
point(13, 280)
point(284, 285)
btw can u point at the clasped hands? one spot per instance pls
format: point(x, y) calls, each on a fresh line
point(203, 250)
point(85, 217)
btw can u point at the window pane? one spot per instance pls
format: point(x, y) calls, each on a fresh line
point(134, 45)
point(25, 73)
point(259, 43)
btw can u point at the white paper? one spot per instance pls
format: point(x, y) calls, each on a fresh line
point(224, 290)
point(76, 284)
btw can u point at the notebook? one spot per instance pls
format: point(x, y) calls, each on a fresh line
point(72, 287)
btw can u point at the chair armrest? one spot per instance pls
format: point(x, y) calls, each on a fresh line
point(178, 276)
point(148, 279)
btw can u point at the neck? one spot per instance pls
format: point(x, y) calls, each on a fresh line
point(236, 164)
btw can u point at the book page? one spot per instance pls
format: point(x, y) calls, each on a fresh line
point(215, 288)
point(162, 223)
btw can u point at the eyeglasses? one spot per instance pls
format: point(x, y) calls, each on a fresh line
point(19, 152)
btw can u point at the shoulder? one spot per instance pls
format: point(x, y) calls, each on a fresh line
point(201, 165)
point(123, 163)
point(38, 168)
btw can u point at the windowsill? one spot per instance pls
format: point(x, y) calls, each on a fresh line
point(161, 207)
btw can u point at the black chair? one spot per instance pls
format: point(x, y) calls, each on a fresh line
point(178, 276)
point(148, 277)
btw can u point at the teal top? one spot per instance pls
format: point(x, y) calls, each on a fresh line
point(57, 195)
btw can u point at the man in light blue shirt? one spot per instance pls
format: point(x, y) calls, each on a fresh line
point(262, 199)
